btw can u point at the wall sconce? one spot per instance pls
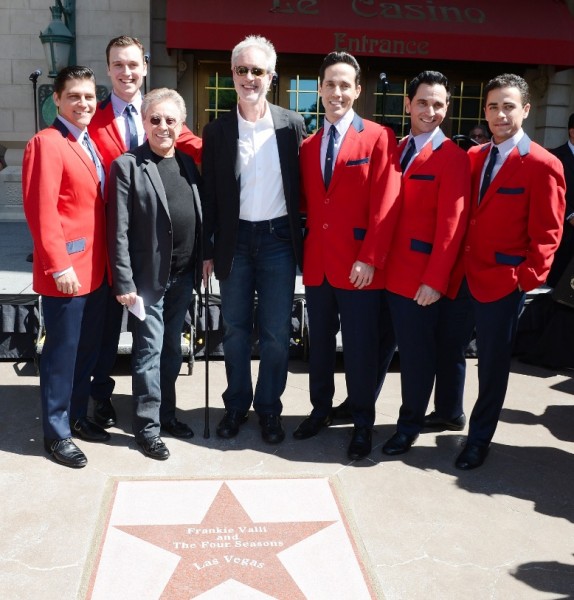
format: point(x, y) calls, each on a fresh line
point(59, 38)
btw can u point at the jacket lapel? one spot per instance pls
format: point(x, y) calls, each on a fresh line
point(77, 149)
point(506, 173)
point(282, 133)
point(150, 169)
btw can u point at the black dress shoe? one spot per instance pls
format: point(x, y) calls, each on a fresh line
point(471, 457)
point(399, 443)
point(154, 448)
point(342, 412)
point(272, 431)
point(66, 453)
point(90, 432)
point(311, 427)
point(229, 426)
point(105, 413)
point(177, 429)
point(434, 421)
point(361, 443)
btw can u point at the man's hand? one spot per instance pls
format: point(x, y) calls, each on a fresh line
point(68, 283)
point(128, 299)
point(361, 274)
point(207, 271)
point(426, 295)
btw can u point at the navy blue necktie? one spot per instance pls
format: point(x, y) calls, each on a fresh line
point(132, 129)
point(408, 155)
point(328, 171)
point(488, 172)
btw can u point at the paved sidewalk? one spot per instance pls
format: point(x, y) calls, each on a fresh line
point(424, 530)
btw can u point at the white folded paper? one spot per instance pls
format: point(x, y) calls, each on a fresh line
point(138, 309)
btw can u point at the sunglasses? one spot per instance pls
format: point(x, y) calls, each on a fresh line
point(255, 71)
point(169, 121)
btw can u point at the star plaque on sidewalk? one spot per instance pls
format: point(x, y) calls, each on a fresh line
point(221, 539)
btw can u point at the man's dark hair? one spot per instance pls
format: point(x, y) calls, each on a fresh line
point(571, 121)
point(428, 78)
point(509, 80)
point(121, 42)
point(68, 73)
point(334, 58)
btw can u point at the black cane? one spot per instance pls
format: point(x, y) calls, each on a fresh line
point(206, 351)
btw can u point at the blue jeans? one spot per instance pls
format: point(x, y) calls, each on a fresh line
point(156, 357)
point(264, 263)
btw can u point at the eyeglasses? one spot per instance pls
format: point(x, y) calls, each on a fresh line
point(169, 121)
point(255, 71)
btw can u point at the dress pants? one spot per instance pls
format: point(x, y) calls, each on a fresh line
point(496, 324)
point(102, 384)
point(357, 312)
point(73, 334)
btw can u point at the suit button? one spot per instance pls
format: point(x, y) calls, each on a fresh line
point(325, 226)
point(473, 221)
point(467, 248)
point(327, 200)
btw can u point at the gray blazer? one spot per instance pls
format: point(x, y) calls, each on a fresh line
point(221, 187)
point(139, 226)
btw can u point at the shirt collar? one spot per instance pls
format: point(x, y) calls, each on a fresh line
point(506, 147)
point(342, 125)
point(73, 129)
point(266, 120)
point(119, 105)
point(422, 138)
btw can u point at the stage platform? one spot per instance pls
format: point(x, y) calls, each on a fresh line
point(21, 328)
point(18, 303)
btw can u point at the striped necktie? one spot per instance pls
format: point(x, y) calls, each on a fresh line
point(131, 127)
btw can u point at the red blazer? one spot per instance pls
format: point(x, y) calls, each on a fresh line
point(515, 230)
point(105, 133)
point(433, 218)
point(64, 208)
point(354, 219)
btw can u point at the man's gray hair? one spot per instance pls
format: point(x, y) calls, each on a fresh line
point(256, 41)
point(160, 95)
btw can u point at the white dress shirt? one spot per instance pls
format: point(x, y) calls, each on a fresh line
point(258, 170)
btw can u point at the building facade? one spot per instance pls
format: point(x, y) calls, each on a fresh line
point(190, 42)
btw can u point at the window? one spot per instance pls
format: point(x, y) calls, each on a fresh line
point(303, 94)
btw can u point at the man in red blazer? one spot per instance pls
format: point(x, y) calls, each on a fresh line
point(432, 222)
point(116, 128)
point(350, 182)
point(517, 211)
point(62, 181)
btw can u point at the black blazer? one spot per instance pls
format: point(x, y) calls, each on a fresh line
point(565, 252)
point(221, 187)
point(139, 226)
point(567, 159)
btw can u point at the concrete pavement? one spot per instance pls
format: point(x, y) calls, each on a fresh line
point(423, 529)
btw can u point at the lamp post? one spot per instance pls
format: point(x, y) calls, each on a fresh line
point(59, 37)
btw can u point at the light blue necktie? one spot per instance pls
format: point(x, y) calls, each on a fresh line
point(98, 164)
